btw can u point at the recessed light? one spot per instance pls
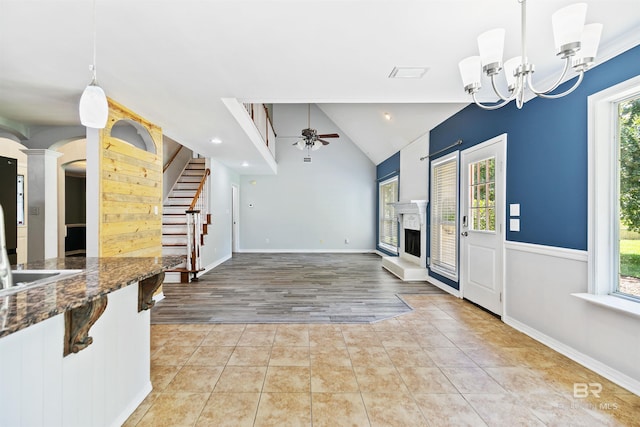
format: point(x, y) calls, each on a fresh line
point(408, 72)
point(216, 141)
point(245, 164)
point(387, 116)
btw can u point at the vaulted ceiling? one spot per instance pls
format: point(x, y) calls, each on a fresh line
point(174, 61)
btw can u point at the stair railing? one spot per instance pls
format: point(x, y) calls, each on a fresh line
point(194, 225)
point(198, 210)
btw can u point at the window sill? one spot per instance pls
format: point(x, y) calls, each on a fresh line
point(615, 303)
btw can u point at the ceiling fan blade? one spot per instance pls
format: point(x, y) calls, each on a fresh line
point(323, 141)
point(329, 135)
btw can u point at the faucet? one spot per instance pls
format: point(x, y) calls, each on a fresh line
point(5, 267)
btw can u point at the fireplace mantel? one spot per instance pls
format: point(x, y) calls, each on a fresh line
point(418, 207)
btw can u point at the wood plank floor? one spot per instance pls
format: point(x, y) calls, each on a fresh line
point(290, 288)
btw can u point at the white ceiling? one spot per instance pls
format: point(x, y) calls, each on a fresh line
point(173, 61)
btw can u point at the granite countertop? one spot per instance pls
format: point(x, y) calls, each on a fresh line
point(99, 277)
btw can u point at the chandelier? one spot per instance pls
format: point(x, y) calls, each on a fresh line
point(576, 43)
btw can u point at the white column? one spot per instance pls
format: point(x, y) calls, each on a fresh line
point(42, 204)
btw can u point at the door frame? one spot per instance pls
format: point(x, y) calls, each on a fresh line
point(502, 169)
point(235, 218)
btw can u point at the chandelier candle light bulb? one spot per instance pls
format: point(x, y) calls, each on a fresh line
point(575, 42)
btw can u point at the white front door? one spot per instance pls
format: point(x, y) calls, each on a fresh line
point(482, 208)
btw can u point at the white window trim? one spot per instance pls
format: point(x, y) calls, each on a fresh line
point(382, 244)
point(603, 197)
point(455, 156)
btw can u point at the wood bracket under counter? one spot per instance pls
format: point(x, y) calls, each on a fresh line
point(146, 288)
point(78, 321)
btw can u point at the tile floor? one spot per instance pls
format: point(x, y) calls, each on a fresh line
point(447, 363)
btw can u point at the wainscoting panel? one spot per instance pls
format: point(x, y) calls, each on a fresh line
point(539, 284)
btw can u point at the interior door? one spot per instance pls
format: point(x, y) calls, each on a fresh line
point(482, 208)
point(235, 219)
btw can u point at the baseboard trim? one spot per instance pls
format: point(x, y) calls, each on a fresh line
point(444, 287)
point(214, 264)
point(308, 251)
point(133, 405)
point(606, 371)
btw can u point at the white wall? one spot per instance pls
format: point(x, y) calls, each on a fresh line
point(414, 174)
point(310, 206)
point(217, 247)
point(171, 175)
point(538, 287)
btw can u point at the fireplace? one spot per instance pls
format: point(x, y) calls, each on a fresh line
point(410, 264)
point(412, 242)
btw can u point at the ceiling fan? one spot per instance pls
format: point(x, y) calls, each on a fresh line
point(310, 139)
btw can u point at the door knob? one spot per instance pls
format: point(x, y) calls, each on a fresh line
point(464, 234)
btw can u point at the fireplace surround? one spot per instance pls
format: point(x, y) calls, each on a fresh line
point(410, 264)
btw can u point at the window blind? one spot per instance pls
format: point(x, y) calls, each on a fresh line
point(444, 216)
point(388, 227)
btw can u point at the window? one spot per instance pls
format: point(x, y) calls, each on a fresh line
point(482, 192)
point(628, 178)
point(614, 188)
point(444, 216)
point(388, 226)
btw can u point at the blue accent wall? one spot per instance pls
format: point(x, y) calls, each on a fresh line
point(388, 168)
point(546, 154)
point(385, 170)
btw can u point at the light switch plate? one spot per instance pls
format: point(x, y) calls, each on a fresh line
point(514, 209)
point(514, 224)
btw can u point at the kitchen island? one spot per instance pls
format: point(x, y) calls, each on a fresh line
point(75, 351)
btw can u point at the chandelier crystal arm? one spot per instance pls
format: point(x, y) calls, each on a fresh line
point(560, 95)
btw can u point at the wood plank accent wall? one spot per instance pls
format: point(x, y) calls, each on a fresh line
point(131, 188)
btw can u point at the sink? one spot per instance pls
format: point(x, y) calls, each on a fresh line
point(21, 278)
point(28, 278)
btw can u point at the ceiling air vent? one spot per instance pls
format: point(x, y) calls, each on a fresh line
point(307, 160)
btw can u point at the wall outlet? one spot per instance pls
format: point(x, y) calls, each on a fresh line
point(346, 241)
point(266, 240)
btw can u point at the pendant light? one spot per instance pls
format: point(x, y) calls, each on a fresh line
point(94, 109)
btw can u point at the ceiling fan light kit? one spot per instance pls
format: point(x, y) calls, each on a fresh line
point(576, 43)
point(311, 140)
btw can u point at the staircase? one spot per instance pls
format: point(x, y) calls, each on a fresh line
point(183, 233)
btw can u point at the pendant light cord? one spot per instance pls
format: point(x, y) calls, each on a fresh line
point(95, 36)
